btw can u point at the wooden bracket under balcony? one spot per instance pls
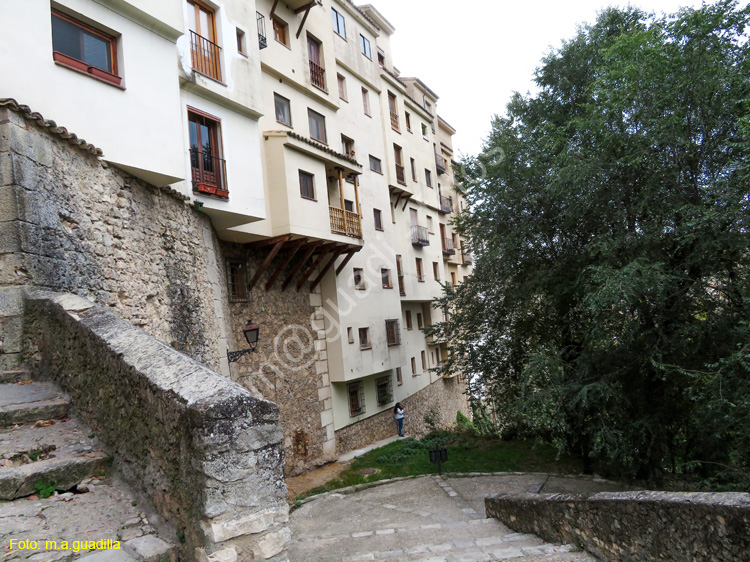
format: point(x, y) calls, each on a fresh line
point(278, 243)
point(310, 250)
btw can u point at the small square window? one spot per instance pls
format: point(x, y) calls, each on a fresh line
point(376, 165)
point(364, 44)
point(281, 31)
point(283, 110)
point(408, 320)
point(241, 43)
point(392, 333)
point(424, 130)
point(306, 185)
point(378, 218)
point(381, 58)
point(386, 278)
point(342, 87)
point(350, 335)
point(364, 338)
point(384, 390)
point(428, 177)
point(359, 279)
point(237, 280)
point(408, 122)
point(399, 376)
point(317, 124)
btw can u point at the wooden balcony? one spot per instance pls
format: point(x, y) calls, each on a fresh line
point(400, 174)
point(420, 236)
point(395, 125)
point(345, 222)
point(446, 204)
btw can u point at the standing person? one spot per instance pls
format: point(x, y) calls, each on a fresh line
point(399, 411)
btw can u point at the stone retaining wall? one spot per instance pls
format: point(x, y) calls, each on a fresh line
point(439, 401)
point(207, 452)
point(635, 526)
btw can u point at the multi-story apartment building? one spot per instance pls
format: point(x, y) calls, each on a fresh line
point(287, 123)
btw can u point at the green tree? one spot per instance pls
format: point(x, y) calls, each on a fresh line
point(608, 309)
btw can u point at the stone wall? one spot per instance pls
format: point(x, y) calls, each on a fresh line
point(207, 452)
point(71, 223)
point(439, 401)
point(635, 526)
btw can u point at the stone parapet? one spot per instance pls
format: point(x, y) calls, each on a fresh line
point(207, 452)
point(635, 526)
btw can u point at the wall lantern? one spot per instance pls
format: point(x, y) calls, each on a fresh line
point(251, 331)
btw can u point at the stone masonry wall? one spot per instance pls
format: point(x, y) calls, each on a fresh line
point(69, 222)
point(635, 526)
point(206, 451)
point(439, 401)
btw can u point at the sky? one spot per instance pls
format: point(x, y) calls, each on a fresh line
point(475, 53)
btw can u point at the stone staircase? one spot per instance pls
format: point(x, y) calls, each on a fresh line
point(56, 484)
point(428, 519)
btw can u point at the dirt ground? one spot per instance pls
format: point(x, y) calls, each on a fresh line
point(305, 482)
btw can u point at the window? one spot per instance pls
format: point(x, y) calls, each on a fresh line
point(281, 32)
point(385, 274)
point(413, 170)
point(375, 164)
point(317, 126)
point(317, 72)
point(356, 392)
point(428, 177)
point(393, 213)
point(420, 325)
point(342, 87)
point(429, 224)
point(237, 280)
point(381, 58)
point(81, 47)
point(349, 205)
point(306, 185)
point(366, 101)
point(378, 218)
point(436, 270)
point(359, 279)
point(283, 110)
point(364, 338)
point(424, 130)
point(339, 24)
point(385, 390)
point(408, 122)
point(204, 50)
point(420, 273)
point(350, 335)
point(399, 376)
point(408, 319)
point(391, 332)
point(453, 278)
point(241, 43)
point(347, 147)
point(424, 361)
point(208, 173)
point(413, 367)
point(393, 108)
point(364, 44)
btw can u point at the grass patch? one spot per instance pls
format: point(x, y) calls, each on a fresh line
point(467, 452)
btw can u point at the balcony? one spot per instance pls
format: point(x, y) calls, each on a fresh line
point(440, 162)
point(446, 204)
point(400, 174)
point(205, 56)
point(261, 23)
point(345, 222)
point(449, 248)
point(209, 173)
point(317, 76)
point(394, 122)
point(420, 236)
point(468, 258)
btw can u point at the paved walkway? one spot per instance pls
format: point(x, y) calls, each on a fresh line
point(430, 519)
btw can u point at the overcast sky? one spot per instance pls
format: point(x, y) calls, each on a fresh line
point(475, 53)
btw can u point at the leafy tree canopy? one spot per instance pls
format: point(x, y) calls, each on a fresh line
point(608, 309)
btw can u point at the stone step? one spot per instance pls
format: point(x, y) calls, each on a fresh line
point(25, 402)
point(14, 375)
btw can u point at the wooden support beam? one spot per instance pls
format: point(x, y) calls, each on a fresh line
point(347, 259)
point(304, 18)
point(356, 195)
point(325, 270)
point(341, 194)
point(293, 249)
point(406, 201)
point(313, 246)
point(269, 241)
point(395, 205)
point(273, 9)
point(308, 273)
point(262, 269)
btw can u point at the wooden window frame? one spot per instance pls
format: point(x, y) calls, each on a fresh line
point(310, 114)
point(341, 81)
point(237, 287)
point(409, 325)
point(386, 382)
point(391, 327)
point(312, 184)
point(367, 342)
point(399, 376)
point(383, 273)
point(377, 217)
point(241, 42)
point(379, 169)
point(420, 270)
point(279, 24)
point(289, 105)
point(359, 389)
point(420, 322)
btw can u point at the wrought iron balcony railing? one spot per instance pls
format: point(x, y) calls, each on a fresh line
point(206, 56)
point(420, 236)
point(317, 75)
point(261, 24)
point(395, 125)
point(446, 204)
point(400, 174)
point(440, 162)
point(208, 173)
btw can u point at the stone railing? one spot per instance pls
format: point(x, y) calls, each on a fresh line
point(634, 526)
point(207, 452)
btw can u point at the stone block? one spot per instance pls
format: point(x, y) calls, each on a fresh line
point(11, 301)
point(10, 240)
point(316, 299)
point(326, 417)
point(272, 544)
point(11, 335)
point(220, 530)
point(324, 393)
point(329, 447)
point(321, 367)
point(8, 206)
point(6, 168)
point(258, 437)
point(108, 556)
point(151, 548)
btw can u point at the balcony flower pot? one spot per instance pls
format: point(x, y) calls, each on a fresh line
point(222, 193)
point(70, 61)
point(206, 188)
point(104, 75)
